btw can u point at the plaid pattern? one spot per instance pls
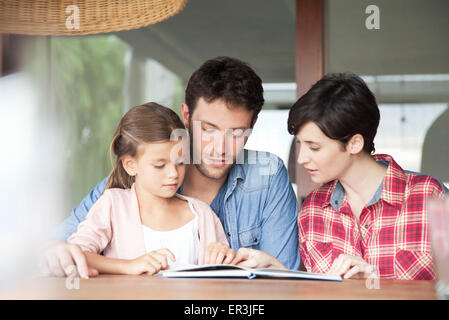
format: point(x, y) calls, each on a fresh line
point(393, 232)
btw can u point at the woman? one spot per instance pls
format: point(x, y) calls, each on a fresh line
point(369, 216)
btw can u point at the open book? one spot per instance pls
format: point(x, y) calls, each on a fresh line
point(226, 270)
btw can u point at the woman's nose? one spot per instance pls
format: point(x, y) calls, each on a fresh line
point(303, 157)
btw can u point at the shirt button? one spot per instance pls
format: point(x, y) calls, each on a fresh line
point(229, 234)
point(336, 202)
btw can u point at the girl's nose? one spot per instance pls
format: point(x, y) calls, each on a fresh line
point(173, 173)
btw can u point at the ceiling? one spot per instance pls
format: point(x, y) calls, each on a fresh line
point(412, 39)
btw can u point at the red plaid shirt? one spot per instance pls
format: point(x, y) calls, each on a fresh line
point(393, 232)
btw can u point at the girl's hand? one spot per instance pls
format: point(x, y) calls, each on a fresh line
point(150, 263)
point(252, 258)
point(218, 253)
point(351, 266)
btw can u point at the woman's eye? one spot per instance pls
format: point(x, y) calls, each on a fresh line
point(314, 149)
point(160, 166)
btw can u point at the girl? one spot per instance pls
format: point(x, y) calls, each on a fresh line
point(369, 217)
point(140, 220)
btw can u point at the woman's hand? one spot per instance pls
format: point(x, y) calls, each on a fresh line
point(351, 266)
point(218, 253)
point(149, 263)
point(252, 258)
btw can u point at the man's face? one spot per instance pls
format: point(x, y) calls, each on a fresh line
point(219, 132)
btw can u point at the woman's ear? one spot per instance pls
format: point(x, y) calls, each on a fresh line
point(185, 114)
point(130, 165)
point(355, 144)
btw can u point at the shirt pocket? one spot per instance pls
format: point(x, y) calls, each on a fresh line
point(413, 265)
point(320, 255)
point(250, 238)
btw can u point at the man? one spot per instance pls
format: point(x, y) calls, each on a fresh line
point(249, 191)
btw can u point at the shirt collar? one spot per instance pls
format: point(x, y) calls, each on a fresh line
point(391, 190)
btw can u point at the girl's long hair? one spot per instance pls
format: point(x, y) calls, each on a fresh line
point(149, 122)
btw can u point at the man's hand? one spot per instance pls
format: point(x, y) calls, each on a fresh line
point(218, 253)
point(58, 258)
point(252, 258)
point(351, 266)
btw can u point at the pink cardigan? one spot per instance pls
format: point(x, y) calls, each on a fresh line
point(113, 226)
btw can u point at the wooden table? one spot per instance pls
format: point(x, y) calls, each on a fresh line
point(155, 287)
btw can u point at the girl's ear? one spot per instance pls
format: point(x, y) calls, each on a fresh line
point(355, 144)
point(185, 114)
point(129, 164)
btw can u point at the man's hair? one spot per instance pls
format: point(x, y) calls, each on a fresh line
point(341, 105)
point(229, 79)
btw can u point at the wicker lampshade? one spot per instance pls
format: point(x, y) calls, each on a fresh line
point(78, 17)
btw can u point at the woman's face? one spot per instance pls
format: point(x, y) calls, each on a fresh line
point(325, 159)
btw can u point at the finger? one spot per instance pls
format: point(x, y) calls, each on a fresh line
point(168, 253)
point(66, 262)
point(162, 259)
point(55, 266)
point(353, 271)
point(213, 255)
point(207, 256)
point(80, 261)
point(242, 255)
point(92, 272)
point(154, 262)
point(346, 265)
point(335, 264)
point(220, 257)
point(230, 254)
point(247, 264)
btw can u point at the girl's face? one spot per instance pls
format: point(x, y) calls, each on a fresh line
point(159, 168)
point(325, 159)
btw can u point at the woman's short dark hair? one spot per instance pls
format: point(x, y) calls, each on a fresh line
point(226, 78)
point(341, 105)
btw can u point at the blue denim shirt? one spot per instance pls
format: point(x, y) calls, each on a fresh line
point(256, 205)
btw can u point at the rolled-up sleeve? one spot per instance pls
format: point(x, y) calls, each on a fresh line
point(95, 232)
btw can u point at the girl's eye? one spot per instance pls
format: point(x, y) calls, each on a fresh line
point(314, 149)
point(160, 166)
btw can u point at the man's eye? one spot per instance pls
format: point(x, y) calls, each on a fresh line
point(237, 133)
point(314, 149)
point(209, 131)
point(159, 166)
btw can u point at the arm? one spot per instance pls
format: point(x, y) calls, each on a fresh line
point(149, 263)
point(280, 230)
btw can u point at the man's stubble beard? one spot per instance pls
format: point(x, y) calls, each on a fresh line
point(202, 167)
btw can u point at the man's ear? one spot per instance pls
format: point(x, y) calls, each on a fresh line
point(129, 164)
point(355, 144)
point(185, 114)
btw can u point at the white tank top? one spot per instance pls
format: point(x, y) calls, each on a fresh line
point(183, 242)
